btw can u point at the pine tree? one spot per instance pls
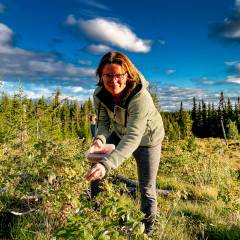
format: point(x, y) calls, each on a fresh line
point(90, 107)
point(184, 122)
point(238, 105)
point(5, 116)
point(173, 130)
point(199, 125)
point(194, 117)
point(237, 113)
point(212, 129)
point(204, 120)
point(55, 117)
point(229, 110)
point(65, 119)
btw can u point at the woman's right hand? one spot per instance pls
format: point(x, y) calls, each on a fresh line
point(96, 146)
point(98, 171)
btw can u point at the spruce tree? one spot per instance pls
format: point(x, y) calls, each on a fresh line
point(199, 121)
point(184, 122)
point(56, 125)
point(194, 117)
point(65, 119)
point(229, 110)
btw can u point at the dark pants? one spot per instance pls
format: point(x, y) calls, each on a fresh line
point(147, 159)
point(93, 128)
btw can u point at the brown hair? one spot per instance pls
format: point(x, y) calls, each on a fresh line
point(122, 60)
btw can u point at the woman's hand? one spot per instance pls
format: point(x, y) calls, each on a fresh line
point(96, 146)
point(98, 171)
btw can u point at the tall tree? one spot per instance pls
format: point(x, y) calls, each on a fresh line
point(184, 122)
point(229, 110)
point(194, 116)
point(204, 119)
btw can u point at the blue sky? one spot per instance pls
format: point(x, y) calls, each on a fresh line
point(184, 48)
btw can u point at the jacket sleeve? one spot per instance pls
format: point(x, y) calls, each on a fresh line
point(136, 125)
point(103, 121)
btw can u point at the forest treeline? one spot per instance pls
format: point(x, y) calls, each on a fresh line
point(205, 120)
point(23, 119)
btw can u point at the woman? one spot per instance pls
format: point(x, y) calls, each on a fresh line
point(123, 102)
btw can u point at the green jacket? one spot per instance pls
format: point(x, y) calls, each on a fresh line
point(137, 122)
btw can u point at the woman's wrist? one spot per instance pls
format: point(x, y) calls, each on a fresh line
point(101, 137)
point(106, 169)
point(97, 139)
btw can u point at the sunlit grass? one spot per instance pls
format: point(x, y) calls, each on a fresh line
point(48, 177)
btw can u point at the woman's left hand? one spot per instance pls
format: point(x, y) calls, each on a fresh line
point(96, 146)
point(98, 171)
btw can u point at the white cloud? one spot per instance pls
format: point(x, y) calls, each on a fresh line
point(170, 71)
point(16, 63)
point(2, 83)
point(98, 49)
point(113, 33)
point(85, 62)
point(235, 33)
point(79, 98)
point(171, 97)
point(36, 94)
point(237, 67)
point(30, 90)
point(33, 91)
point(71, 20)
point(95, 4)
point(233, 67)
point(207, 81)
point(232, 63)
point(79, 90)
point(238, 4)
point(59, 68)
point(229, 79)
point(233, 79)
point(2, 8)
point(229, 30)
point(6, 35)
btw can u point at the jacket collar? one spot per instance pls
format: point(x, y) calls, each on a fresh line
point(105, 97)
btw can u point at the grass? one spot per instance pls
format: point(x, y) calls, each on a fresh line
point(48, 178)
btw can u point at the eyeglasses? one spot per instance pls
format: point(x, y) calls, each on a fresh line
point(111, 77)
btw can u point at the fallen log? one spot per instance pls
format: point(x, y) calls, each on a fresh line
point(133, 184)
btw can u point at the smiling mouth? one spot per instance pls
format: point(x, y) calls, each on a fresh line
point(115, 86)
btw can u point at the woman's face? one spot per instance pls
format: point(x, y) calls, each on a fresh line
point(114, 79)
